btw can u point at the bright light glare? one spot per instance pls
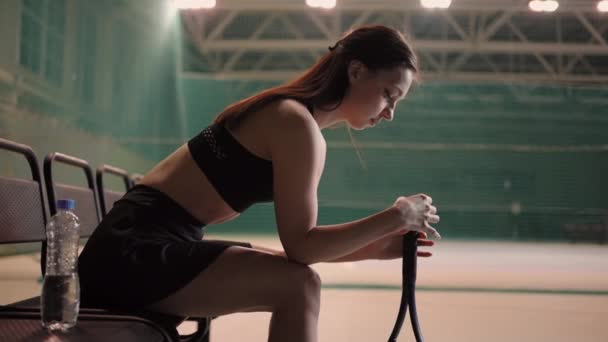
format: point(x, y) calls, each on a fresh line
point(436, 3)
point(326, 4)
point(193, 4)
point(602, 6)
point(543, 5)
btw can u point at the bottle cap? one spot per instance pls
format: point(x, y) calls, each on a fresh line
point(65, 204)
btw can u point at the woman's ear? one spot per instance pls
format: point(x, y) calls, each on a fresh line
point(356, 69)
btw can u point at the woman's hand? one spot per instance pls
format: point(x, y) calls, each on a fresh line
point(417, 213)
point(391, 246)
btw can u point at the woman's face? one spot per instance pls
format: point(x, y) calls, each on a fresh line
point(373, 95)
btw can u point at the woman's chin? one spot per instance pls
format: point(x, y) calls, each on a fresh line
point(359, 126)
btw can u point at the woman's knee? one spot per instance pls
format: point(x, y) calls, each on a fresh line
point(309, 279)
point(303, 283)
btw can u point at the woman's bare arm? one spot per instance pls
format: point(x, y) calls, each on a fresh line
point(389, 247)
point(298, 154)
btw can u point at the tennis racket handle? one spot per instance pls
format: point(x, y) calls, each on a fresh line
point(410, 253)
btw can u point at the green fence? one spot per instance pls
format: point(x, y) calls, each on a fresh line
point(501, 161)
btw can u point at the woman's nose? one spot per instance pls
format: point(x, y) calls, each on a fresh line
point(387, 114)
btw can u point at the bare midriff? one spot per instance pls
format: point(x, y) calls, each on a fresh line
point(180, 177)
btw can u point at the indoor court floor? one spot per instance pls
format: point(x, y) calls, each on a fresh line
point(468, 291)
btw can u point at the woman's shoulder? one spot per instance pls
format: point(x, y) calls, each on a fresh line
point(290, 120)
point(289, 114)
point(291, 109)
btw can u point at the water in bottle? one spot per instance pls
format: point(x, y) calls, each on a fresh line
point(60, 300)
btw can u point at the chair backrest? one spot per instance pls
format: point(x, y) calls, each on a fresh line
point(136, 178)
point(87, 205)
point(108, 197)
point(23, 215)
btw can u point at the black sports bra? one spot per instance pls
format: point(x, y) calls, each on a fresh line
point(239, 176)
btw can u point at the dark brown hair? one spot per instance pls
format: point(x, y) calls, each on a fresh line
point(325, 83)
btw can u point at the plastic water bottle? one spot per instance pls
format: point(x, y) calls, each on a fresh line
point(60, 299)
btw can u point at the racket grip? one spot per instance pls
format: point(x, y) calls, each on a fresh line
point(410, 254)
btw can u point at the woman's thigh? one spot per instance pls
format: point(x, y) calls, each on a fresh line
point(240, 280)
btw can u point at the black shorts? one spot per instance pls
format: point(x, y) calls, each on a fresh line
point(146, 248)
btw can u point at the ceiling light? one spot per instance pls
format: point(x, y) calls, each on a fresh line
point(543, 5)
point(325, 4)
point(436, 3)
point(193, 4)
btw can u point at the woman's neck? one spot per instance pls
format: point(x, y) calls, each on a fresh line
point(326, 119)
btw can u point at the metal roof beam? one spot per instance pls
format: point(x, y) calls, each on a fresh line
point(281, 75)
point(426, 45)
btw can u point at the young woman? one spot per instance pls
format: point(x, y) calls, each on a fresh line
point(149, 253)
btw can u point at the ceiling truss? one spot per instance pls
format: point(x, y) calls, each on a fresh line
point(257, 41)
